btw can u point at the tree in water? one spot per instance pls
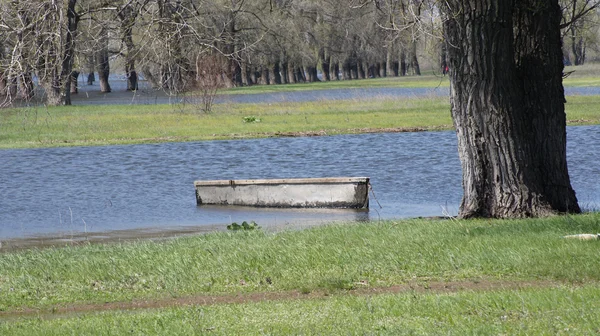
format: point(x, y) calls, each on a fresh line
point(508, 107)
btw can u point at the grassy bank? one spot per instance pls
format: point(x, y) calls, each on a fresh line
point(107, 125)
point(339, 262)
point(336, 257)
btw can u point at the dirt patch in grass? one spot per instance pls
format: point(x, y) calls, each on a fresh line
point(359, 289)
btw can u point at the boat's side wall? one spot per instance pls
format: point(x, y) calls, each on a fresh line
point(305, 195)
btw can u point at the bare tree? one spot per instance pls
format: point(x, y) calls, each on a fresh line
point(55, 29)
point(577, 20)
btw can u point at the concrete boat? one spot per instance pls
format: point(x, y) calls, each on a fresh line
point(330, 192)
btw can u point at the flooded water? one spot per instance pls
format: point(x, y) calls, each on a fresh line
point(91, 95)
point(150, 187)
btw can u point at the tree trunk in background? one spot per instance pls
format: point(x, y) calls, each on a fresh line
point(311, 72)
point(27, 87)
point(508, 107)
point(245, 74)
point(443, 59)
point(414, 62)
point(74, 84)
point(578, 48)
point(102, 62)
point(346, 75)
point(56, 51)
point(389, 61)
point(69, 51)
point(3, 84)
point(275, 73)
point(300, 77)
point(360, 71)
point(264, 77)
point(127, 15)
point(285, 76)
point(403, 67)
point(334, 68)
point(13, 88)
point(354, 70)
point(290, 73)
point(325, 60)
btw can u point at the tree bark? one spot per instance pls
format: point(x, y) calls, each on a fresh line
point(508, 107)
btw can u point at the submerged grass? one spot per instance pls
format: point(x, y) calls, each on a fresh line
point(547, 311)
point(330, 258)
point(106, 125)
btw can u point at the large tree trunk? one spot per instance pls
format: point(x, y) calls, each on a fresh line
point(508, 107)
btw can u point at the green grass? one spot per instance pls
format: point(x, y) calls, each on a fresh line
point(102, 125)
point(425, 81)
point(329, 258)
point(114, 124)
point(549, 311)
